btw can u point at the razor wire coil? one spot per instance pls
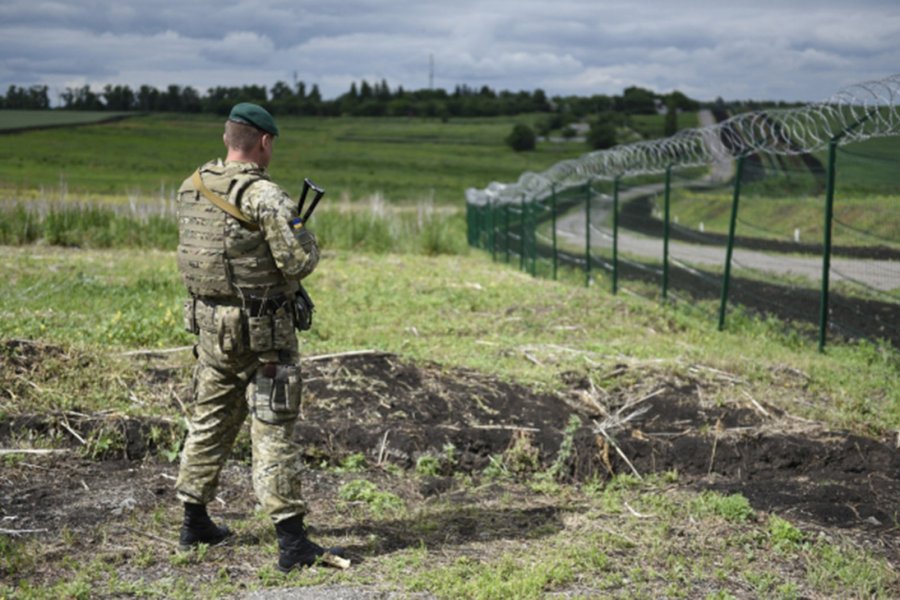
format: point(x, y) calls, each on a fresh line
point(853, 114)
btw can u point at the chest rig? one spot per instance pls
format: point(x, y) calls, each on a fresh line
point(219, 256)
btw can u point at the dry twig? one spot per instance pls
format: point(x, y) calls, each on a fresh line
point(149, 535)
point(4, 451)
point(636, 513)
point(156, 351)
point(347, 354)
point(67, 427)
point(757, 405)
point(21, 531)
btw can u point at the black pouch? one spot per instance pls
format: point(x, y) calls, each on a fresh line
point(190, 316)
point(276, 393)
point(303, 310)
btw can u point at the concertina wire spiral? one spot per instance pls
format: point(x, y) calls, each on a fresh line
point(853, 114)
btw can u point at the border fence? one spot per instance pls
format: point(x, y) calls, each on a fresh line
point(793, 213)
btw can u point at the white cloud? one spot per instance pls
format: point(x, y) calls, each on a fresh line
point(801, 49)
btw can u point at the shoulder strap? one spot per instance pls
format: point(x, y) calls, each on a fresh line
point(222, 203)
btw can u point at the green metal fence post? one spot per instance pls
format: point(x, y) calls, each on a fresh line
point(615, 242)
point(665, 277)
point(826, 250)
point(533, 233)
point(726, 277)
point(506, 228)
point(493, 230)
point(553, 225)
point(829, 217)
point(524, 208)
point(587, 234)
point(482, 227)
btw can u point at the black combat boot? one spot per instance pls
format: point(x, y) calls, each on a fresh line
point(295, 549)
point(198, 528)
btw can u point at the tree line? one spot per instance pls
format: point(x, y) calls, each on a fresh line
point(363, 99)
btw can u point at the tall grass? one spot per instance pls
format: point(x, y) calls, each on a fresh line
point(380, 229)
point(85, 226)
point(373, 228)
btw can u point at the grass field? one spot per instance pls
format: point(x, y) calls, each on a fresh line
point(147, 157)
point(501, 533)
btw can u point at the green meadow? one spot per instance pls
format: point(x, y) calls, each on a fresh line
point(402, 159)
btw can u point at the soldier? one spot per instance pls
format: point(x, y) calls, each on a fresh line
point(242, 261)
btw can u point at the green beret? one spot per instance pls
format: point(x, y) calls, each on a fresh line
point(255, 115)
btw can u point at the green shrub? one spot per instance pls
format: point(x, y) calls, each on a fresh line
point(522, 138)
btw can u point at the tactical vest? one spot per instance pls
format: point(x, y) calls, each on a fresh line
point(217, 257)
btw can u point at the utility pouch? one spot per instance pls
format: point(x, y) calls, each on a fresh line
point(259, 332)
point(283, 335)
point(276, 393)
point(229, 328)
point(303, 310)
point(190, 316)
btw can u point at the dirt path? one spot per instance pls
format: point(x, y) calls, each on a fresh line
point(883, 275)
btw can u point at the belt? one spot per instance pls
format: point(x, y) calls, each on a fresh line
point(255, 306)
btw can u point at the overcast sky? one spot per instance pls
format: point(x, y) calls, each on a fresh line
point(761, 49)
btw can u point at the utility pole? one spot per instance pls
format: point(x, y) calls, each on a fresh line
point(431, 71)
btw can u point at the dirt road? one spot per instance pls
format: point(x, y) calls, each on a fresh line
point(883, 275)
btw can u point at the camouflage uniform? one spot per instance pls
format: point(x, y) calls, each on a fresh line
point(242, 284)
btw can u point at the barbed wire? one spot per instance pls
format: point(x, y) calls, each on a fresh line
point(853, 114)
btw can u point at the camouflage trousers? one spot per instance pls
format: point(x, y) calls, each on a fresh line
point(227, 386)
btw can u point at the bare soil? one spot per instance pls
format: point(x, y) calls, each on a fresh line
point(394, 412)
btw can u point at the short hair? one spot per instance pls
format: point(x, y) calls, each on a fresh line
point(241, 137)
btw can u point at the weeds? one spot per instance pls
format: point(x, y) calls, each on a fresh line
point(366, 492)
point(734, 508)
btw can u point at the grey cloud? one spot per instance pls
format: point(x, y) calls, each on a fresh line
point(800, 49)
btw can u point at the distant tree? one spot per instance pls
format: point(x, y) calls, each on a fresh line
point(522, 138)
point(190, 100)
point(147, 98)
point(602, 134)
point(680, 101)
point(170, 101)
point(383, 91)
point(400, 107)
point(281, 91)
point(81, 99)
point(487, 92)
point(539, 101)
point(638, 101)
point(118, 97)
point(33, 98)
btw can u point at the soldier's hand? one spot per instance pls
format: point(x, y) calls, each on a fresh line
point(306, 238)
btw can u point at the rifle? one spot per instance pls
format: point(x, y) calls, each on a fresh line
point(309, 185)
point(303, 305)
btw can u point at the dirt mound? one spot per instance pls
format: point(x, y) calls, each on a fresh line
point(395, 412)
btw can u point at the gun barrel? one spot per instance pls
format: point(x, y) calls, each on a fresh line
point(308, 185)
point(319, 193)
